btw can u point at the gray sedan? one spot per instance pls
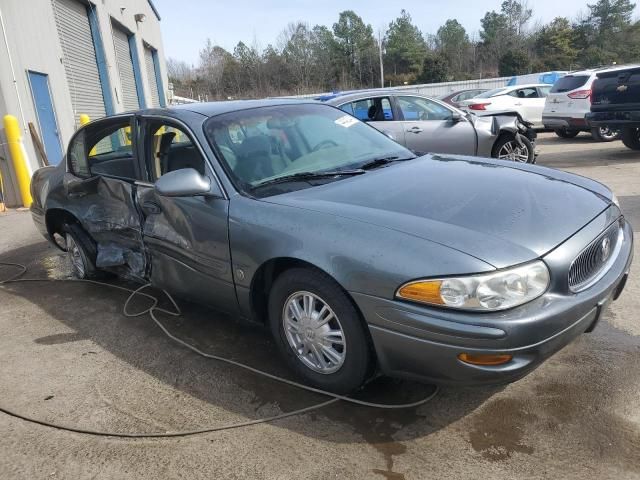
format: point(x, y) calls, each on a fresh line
point(427, 125)
point(357, 254)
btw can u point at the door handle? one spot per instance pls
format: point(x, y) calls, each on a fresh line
point(414, 130)
point(518, 104)
point(151, 207)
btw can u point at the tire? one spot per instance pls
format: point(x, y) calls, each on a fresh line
point(631, 138)
point(350, 363)
point(523, 154)
point(605, 134)
point(81, 252)
point(566, 133)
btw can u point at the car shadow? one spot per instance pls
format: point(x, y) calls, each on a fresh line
point(100, 320)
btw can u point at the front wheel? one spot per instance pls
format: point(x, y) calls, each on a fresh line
point(631, 138)
point(566, 133)
point(508, 148)
point(605, 134)
point(319, 331)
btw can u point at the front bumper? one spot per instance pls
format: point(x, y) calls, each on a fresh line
point(614, 119)
point(569, 123)
point(423, 343)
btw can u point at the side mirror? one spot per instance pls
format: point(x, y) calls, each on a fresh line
point(186, 182)
point(456, 117)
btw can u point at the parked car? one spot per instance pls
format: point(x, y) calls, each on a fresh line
point(454, 98)
point(360, 256)
point(527, 100)
point(616, 103)
point(568, 103)
point(426, 125)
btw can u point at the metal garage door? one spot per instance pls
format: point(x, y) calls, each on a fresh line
point(125, 69)
point(151, 76)
point(80, 62)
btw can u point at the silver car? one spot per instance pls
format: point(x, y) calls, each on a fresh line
point(427, 125)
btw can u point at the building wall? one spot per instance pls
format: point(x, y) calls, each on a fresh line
point(33, 44)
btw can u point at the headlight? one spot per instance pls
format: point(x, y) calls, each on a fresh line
point(485, 292)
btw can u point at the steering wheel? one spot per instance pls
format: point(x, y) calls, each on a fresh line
point(324, 144)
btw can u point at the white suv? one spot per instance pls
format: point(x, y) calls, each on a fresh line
point(569, 101)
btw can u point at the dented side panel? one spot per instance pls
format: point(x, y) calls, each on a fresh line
point(187, 243)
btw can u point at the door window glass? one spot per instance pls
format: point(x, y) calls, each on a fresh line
point(417, 108)
point(370, 109)
point(170, 148)
point(530, 92)
point(544, 91)
point(105, 148)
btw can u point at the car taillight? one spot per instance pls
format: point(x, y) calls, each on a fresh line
point(580, 94)
point(478, 106)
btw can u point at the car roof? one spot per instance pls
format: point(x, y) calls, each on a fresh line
point(210, 109)
point(609, 68)
point(339, 97)
point(525, 85)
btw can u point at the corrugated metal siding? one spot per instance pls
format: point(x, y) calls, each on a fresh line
point(151, 75)
point(80, 62)
point(125, 69)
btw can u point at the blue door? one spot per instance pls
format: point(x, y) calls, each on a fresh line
point(46, 116)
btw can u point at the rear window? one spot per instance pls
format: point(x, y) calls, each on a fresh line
point(492, 93)
point(568, 83)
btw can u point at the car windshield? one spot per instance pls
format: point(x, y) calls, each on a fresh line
point(492, 93)
point(260, 145)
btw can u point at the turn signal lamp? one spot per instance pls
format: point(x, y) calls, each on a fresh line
point(485, 360)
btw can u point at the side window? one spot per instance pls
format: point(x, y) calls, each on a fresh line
point(371, 109)
point(77, 155)
point(104, 149)
point(417, 108)
point(530, 92)
point(544, 91)
point(347, 107)
point(169, 148)
point(465, 96)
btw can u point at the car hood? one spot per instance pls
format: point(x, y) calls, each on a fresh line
point(500, 212)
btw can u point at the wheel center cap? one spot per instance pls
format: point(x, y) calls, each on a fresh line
point(310, 334)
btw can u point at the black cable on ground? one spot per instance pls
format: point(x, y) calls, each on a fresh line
point(151, 310)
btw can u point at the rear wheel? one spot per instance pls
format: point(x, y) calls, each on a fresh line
point(605, 134)
point(81, 252)
point(631, 138)
point(508, 148)
point(566, 133)
point(318, 331)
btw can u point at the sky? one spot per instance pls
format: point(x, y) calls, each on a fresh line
point(187, 24)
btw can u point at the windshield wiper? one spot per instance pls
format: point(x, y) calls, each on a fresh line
point(379, 162)
point(303, 176)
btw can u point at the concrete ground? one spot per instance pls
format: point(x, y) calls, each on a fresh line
point(68, 355)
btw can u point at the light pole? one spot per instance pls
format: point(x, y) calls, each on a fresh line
point(380, 58)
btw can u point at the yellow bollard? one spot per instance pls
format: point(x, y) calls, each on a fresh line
point(19, 158)
point(84, 119)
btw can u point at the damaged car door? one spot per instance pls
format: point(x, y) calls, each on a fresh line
point(100, 182)
point(432, 127)
point(185, 228)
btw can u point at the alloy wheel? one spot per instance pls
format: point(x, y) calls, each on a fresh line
point(608, 133)
point(513, 151)
point(314, 332)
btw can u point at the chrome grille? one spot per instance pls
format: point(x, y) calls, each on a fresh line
point(594, 259)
